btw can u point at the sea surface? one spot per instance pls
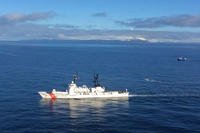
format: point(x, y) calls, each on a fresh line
point(166, 91)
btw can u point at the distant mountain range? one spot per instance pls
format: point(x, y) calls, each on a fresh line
point(111, 35)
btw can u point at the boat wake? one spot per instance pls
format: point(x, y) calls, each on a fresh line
point(152, 80)
point(164, 95)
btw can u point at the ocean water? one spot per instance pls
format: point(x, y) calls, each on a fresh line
point(167, 91)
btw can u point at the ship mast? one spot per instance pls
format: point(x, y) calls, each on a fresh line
point(75, 78)
point(96, 80)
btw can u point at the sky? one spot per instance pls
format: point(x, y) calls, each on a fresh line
point(152, 20)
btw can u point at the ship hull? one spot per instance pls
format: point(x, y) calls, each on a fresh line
point(65, 95)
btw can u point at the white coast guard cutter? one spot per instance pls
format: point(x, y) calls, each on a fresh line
point(75, 91)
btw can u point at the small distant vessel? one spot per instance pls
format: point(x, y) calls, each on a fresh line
point(75, 91)
point(182, 58)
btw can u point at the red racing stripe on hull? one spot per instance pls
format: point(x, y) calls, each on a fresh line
point(52, 96)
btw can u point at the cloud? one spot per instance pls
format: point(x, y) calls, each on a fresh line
point(99, 14)
point(155, 22)
point(15, 18)
point(17, 27)
point(64, 26)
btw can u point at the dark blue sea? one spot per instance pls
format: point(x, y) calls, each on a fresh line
point(167, 91)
